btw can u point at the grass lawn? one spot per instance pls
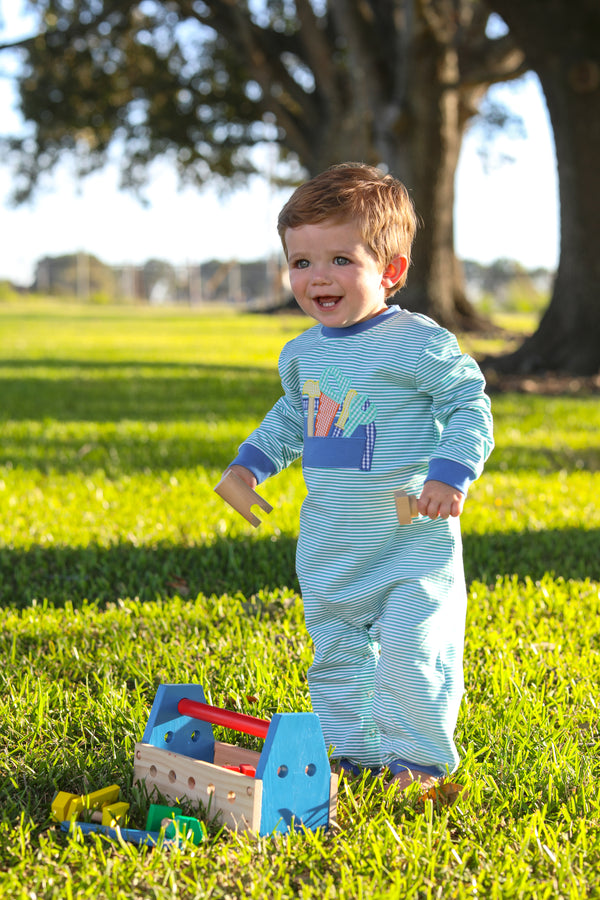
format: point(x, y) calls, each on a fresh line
point(120, 569)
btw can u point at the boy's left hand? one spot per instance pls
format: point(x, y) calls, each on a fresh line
point(439, 499)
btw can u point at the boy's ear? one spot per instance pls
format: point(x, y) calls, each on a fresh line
point(394, 271)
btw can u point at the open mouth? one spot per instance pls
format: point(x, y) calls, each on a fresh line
point(327, 302)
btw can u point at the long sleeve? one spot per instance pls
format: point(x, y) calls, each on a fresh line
point(460, 408)
point(278, 440)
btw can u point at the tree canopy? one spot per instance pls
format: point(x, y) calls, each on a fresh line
point(205, 81)
point(390, 82)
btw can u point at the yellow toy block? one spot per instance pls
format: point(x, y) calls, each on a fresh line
point(67, 806)
point(115, 814)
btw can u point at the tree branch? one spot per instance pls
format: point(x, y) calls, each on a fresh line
point(489, 61)
point(21, 44)
point(317, 51)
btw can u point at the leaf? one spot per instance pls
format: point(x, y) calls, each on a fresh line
point(446, 793)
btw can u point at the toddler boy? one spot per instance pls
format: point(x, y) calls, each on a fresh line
point(375, 399)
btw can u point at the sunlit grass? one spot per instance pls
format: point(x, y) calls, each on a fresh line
point(121, 569)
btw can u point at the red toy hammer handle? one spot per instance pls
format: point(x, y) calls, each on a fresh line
point(217, 716)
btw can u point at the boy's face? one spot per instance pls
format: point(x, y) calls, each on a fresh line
point(334, 276)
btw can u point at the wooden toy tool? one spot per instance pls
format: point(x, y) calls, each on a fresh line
point(102, 804)
point(406, 507)
point(175, 824)
point(176, 828)
point(241, 497)
point(130, 835)
point(292, 787)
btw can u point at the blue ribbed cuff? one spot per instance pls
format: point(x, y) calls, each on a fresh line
point(401, 765)
point(254, 459)
point(450, 472)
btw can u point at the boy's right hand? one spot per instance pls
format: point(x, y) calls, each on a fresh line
point(245, 474)
point(440, 499)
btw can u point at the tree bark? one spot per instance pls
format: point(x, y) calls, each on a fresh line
point(435, 283)
point(562, 43)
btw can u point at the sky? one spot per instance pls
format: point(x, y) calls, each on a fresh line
point(504, 210)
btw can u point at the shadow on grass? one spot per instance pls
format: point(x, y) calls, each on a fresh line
point(567, 553)
point(63, 575)
point(156, 392)
point(140, 395)
point(545, 460)
point(105, 574)
point(119, 454)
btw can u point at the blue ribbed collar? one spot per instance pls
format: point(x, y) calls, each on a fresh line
point(328, 332)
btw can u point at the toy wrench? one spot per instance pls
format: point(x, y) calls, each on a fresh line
point(241, 497)
point(362, 412)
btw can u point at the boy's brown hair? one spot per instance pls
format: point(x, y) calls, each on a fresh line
point(379, 203)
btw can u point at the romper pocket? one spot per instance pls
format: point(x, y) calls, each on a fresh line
point(333, 453)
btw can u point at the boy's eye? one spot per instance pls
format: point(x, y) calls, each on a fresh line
point(301, 264)
point(341, 261)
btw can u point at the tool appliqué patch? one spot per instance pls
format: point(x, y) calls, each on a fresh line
point(340, 427)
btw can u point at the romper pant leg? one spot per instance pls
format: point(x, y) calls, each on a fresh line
point(341, 682)
point(387, 679)
point(419, 680)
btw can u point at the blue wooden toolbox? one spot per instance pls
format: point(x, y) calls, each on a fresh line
point(287, 785)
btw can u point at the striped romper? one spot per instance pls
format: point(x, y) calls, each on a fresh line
point(378, 406)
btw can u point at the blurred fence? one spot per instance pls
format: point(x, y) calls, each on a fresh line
point(81, 275)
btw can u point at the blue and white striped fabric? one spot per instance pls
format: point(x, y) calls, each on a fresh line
point(384, 603)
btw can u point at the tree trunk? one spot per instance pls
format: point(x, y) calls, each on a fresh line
point(566, 61)
point(430, 178)
point(435, 284)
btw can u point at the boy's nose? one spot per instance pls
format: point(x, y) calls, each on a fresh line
point(320, 276)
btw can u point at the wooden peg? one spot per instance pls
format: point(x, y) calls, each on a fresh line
point(406, 507)
point(241, 497)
